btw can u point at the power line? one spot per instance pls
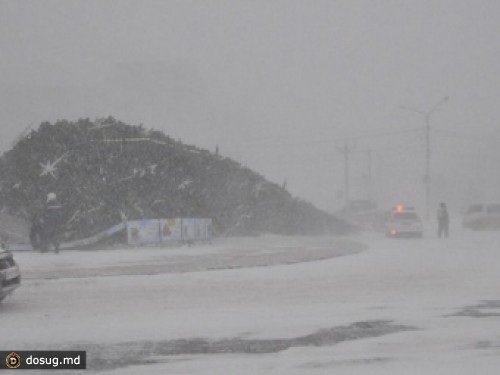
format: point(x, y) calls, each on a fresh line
point(336, 139)
point(466, 137)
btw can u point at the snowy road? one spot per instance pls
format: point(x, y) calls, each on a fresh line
point(399, 306)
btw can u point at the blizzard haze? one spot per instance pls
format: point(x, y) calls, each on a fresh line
point(276, 85)
point(268, 305)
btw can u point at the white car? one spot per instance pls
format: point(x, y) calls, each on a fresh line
point(482, 216)
point(10, 275)
point(403, 222)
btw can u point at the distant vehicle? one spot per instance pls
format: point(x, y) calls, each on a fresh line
point(403, 222)
point(482, 216)
point(10, 275)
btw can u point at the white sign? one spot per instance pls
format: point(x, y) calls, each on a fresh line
point(171, 229)
point(143, 232)
point(196, 229)
point(188, 229)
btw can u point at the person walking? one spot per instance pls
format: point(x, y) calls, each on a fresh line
point(51, 224)
point(443, 221)
point(36, 232)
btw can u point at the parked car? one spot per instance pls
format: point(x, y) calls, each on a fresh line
point(482, 216)
point(10, 275)
point(403, 222)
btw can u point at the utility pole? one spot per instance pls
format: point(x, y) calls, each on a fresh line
point(346, 149)
point(427, 177)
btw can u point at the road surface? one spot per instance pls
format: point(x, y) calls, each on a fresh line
point(270, 305)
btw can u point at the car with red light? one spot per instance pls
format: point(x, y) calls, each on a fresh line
point(403, 222)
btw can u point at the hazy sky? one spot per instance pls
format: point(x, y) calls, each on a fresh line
point(277, 85)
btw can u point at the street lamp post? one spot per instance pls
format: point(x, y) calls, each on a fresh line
point(427, 177)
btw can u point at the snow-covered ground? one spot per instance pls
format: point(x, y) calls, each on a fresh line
point(267, 305)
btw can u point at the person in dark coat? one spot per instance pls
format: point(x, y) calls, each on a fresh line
point(51, 223)
point(36, 232)
point(443, 221)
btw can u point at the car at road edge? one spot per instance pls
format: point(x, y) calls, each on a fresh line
point(10, 274)
point(482, 216)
